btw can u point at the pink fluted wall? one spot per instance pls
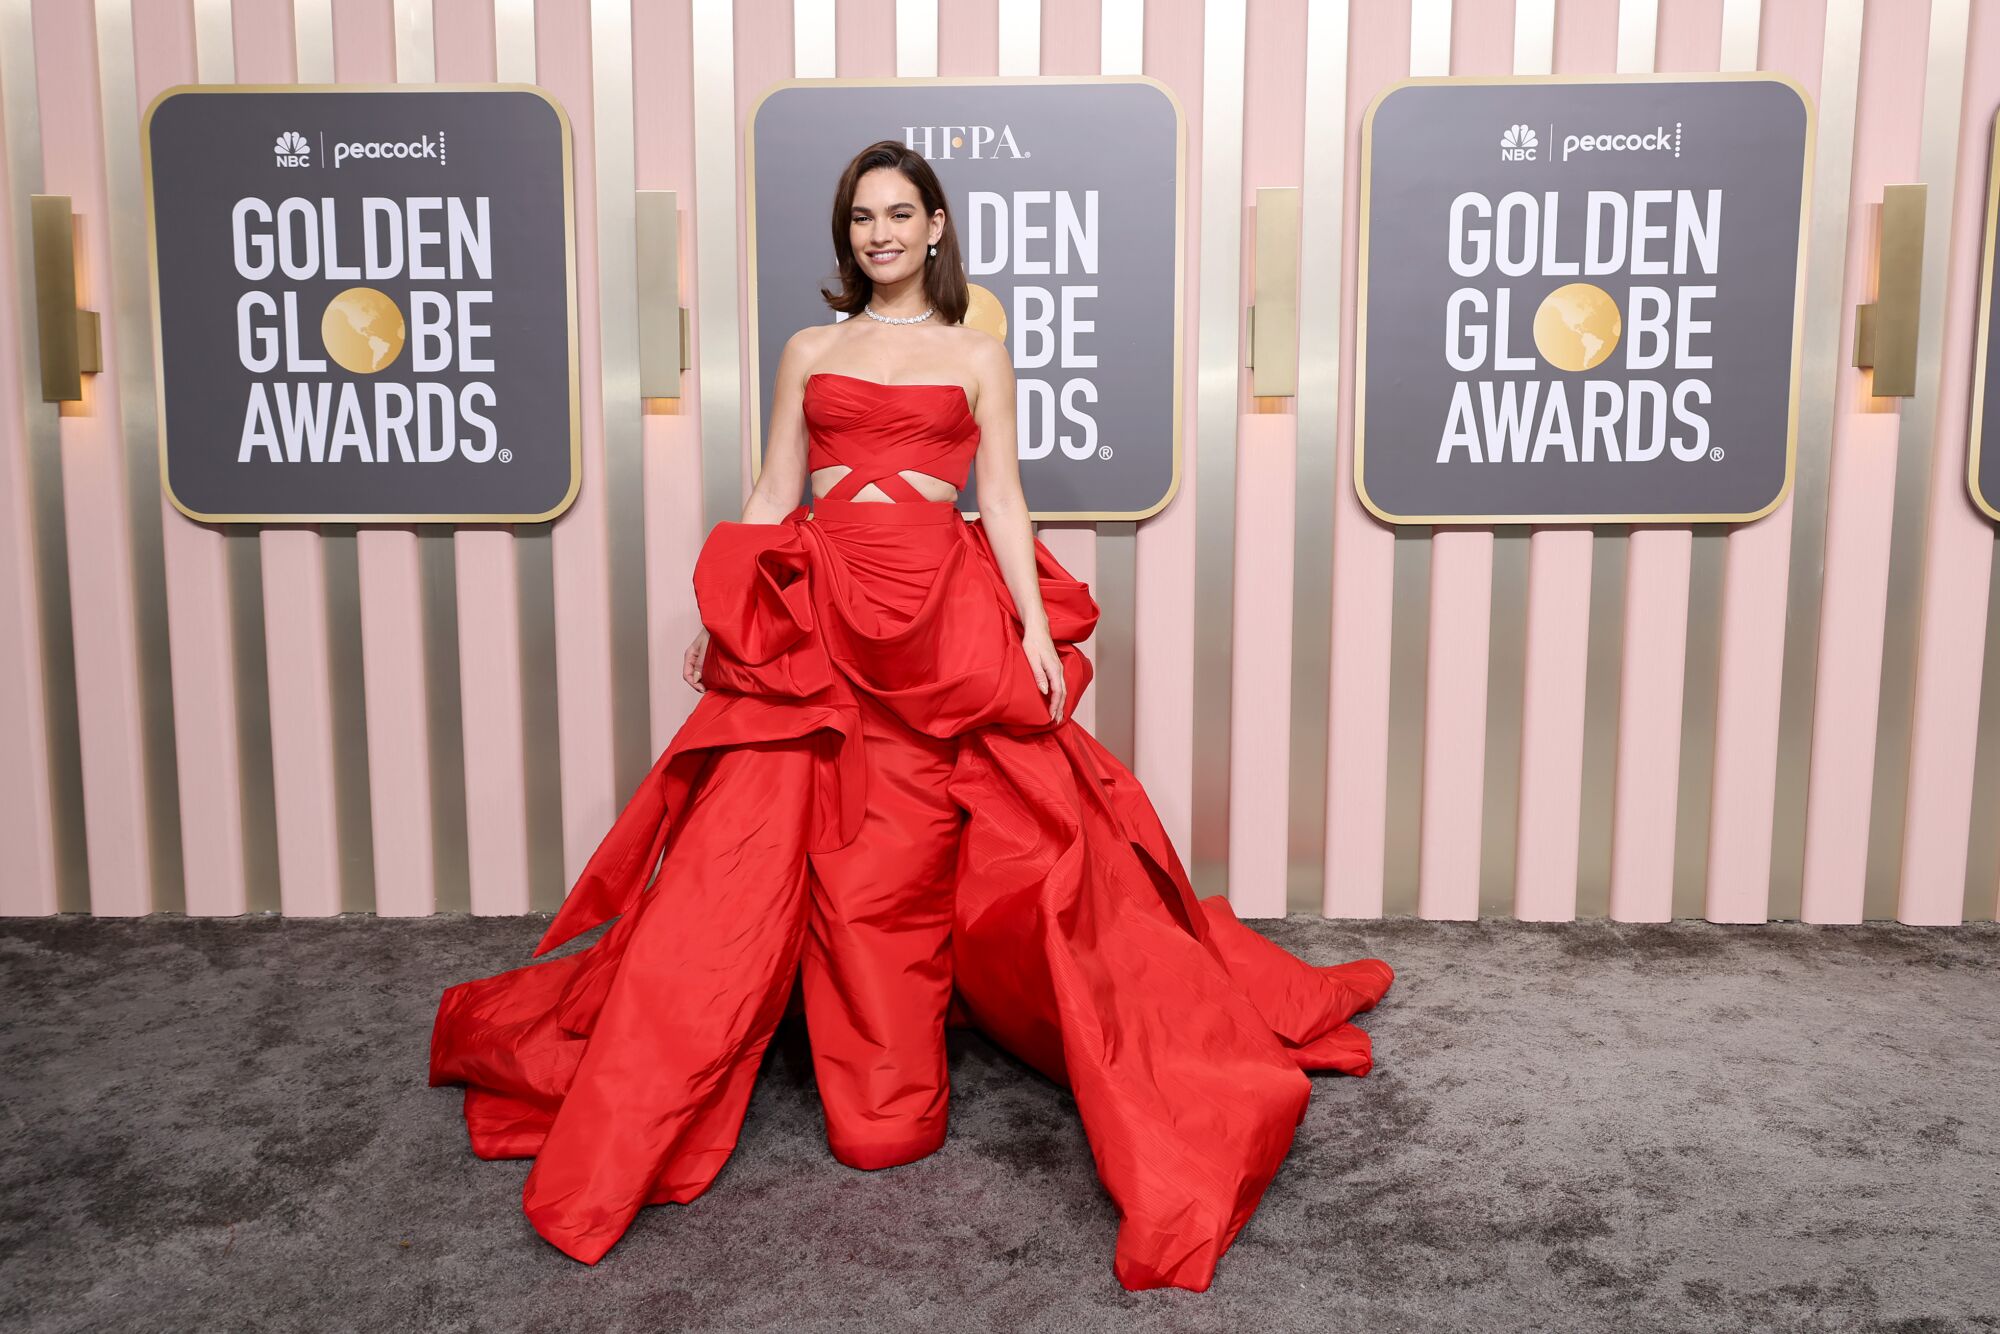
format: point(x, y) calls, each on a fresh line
point(1651, 636)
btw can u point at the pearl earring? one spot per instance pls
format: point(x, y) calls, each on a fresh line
point(933, 252)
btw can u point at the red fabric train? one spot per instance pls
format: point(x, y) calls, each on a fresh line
point(870, 816)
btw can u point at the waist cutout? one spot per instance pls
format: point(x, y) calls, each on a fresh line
point(899, 512)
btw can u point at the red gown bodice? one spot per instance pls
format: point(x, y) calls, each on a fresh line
point(927, 428)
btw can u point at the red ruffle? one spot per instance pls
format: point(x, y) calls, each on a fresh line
point(1078, 943)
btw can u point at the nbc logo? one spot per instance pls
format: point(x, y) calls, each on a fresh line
point(293, 150)
point(1518, 144)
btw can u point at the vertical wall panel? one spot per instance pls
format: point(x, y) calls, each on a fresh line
point(1322, 205)
point(391, 597)
point(516, 61)
point(624, 482)
point(1938, 156)
point(195, 561)
point(1218, 377)
point(864, 39)
point(1861, 492)
point(663, 114)
point(243, 553)
point(1982, 868)
point(1758, 565)
point(1507, 649)
point(1070, 39)
point(296, 650)
point(1260, 767)
point(1823, 405)
point(437, 561)
point(1958, 547)
point(35, 678)
point(1461, 605)
point(1687, 36)
point(127, 316)
point(762, 58)
point(968, 38)
point(1410, 596)
point(717, 28)
point(341, 545)
point(1164, 626)
point(1363, 547)
point(486, 575)
point(1557, 630)
point(581, 540)
point(917, 38)
point(104, 615)
point(1722, 36)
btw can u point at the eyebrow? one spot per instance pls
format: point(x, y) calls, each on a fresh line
point(863, 208)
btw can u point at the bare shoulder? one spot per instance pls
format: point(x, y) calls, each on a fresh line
point(804, 349)
point(988, 360)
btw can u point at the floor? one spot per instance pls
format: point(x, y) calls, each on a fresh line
point(217, 1125)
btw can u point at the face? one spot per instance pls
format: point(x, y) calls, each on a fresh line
point(887, 227)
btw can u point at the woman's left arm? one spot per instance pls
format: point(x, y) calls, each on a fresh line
point(1003, 513)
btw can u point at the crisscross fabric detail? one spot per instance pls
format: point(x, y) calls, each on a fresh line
point(877, 431)
point(894, 485)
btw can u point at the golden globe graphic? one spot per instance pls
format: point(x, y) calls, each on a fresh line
point(984, 312)
point(363, 330)
point(1577, 326)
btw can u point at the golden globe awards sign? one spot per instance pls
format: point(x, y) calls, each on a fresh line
point(1581, 300)
point(364, 303)
point(1072, 244)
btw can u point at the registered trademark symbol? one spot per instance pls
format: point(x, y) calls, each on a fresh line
point(1715, 455)
point(506, 456)
point(1104, 451)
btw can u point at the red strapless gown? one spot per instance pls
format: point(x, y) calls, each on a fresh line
point(870, 817)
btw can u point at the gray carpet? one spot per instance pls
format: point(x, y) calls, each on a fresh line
point(223, 1125)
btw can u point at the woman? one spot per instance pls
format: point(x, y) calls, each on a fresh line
point(880, 794)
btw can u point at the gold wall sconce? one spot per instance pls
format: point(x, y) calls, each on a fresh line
point(1885, 330)
point(663, 320)
point(1274, 311)
point(70, 341)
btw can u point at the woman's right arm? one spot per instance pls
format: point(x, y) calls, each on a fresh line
point(781, 481)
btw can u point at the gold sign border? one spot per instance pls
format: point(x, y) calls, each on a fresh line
point(1578, 520)
point(569, 263)
point(755, 387)
point(1985, 322)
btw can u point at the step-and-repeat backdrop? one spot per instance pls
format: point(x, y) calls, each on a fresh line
point(1529, 457)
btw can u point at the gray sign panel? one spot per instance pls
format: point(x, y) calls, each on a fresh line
point(1073, 250)
point(364, 303)
point(1581, 300)
point(1984, 461)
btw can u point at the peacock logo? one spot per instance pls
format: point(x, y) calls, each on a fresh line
point(292, 150)
point(1518, 144)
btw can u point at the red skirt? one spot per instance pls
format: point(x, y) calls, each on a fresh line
point(869, 816)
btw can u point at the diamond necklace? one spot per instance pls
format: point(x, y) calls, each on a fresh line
point(899, 319)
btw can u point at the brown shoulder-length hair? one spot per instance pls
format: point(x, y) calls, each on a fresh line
point(944, 272)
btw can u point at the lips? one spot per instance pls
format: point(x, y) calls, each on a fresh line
point(883, 257)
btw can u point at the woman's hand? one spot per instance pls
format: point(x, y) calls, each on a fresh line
point(1042, 659)
point(691, 661)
